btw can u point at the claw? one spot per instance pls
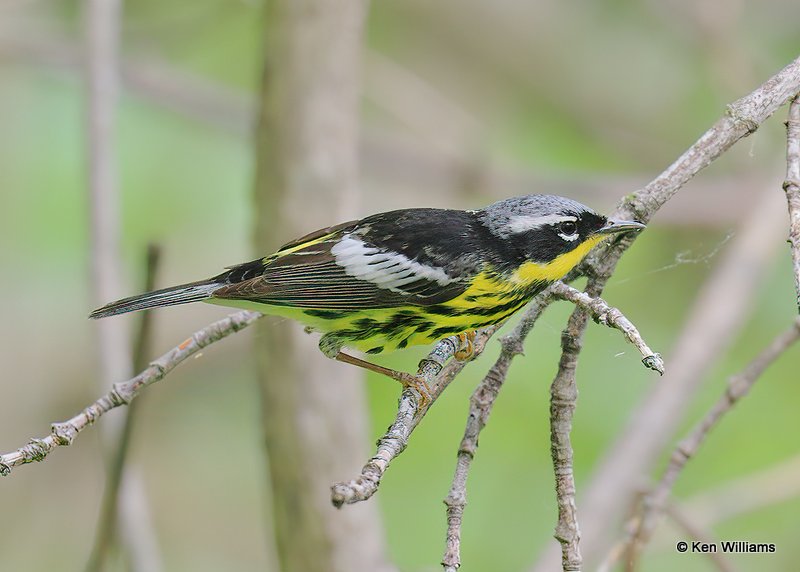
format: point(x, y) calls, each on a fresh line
point(467, 346)
point(419, 385)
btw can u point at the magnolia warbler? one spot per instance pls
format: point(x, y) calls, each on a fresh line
point(406, 277)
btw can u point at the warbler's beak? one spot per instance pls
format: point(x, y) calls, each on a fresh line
point(616, 226)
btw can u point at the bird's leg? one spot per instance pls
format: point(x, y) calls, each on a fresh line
point(331, 345)
point(467, 344)
point(406, 379)
point(352, 360)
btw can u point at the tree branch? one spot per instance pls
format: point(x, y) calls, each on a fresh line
point(480, 406)
point(107, 520)
point(718, 560)
point(483, 398)
point(741, 118)
point(563, 398)
point(410, 411)
point(123, 393)
point(738, 386)
point(771, 486)
point(100, 59)
point(604, 314)
point(792, 186)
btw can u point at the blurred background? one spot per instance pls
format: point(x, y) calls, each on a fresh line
point(463, 103)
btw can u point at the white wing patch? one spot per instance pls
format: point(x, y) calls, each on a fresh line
point(524, 223)
point(388, 270)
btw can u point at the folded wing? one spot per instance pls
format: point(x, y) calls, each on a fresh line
point(344, 271)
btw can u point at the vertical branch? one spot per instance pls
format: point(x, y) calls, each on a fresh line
point(718, 560)
point(711, 327)
point(563, 399)
point(792, 187)
point(626, 463)
point(314, 410)
point(107, 521)
point(102, 30)
point(480, 406)
point(102, 35)
point(738, 386)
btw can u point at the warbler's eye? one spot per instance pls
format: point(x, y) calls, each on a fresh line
point(567, 227)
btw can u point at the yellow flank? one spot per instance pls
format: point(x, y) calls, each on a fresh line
point(558, 267)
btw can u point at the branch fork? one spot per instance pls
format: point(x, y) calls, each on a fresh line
point(437, 374)
point(741, 118)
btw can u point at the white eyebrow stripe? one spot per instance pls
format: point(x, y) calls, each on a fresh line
point(524, 223)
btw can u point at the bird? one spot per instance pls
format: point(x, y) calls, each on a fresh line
point(405, 277)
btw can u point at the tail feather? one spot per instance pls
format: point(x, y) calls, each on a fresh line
point(182, 294)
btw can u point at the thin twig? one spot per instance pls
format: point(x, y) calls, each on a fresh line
point(107, 521)
point(563, 399)
point(738, 386)
point(481, 404)
point(613, 318)
point(123, 393)
point(709, 331)
point(102, 47)
point(774, 485)
point(792, 187)
point(410, 411)
point(484, 396)
point(741, 118)
point(770, 486)
point(102, 32)
point(695, 532)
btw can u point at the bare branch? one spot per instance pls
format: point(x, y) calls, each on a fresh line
point(102, 46)
point(410, 411)
point(613, 318)
point(738, 386)
point(563, 398)
point(102, 32)
point(741, 118)
point(123, 393)
point(792, 186)
point(483, 398)
point(709, 331)
point(773, 485)
point(480, 406)
point(107, 521)
point(719, 560)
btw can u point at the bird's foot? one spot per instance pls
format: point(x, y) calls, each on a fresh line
point(419, 385)
point(467, 346)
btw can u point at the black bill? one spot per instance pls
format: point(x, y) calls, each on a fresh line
point(616, 226)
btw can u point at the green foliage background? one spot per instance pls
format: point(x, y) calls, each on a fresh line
point(565, 90)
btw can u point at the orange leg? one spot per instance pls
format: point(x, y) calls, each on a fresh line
point(406, 379)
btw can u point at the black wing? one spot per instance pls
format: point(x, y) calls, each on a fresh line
point(410, 257)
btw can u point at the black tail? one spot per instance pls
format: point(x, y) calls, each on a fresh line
point(192, 292)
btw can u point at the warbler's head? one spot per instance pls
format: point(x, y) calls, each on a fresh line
point(549, 229)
